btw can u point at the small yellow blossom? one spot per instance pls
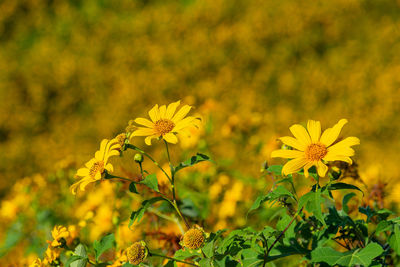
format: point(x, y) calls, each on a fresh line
point(37, 263)
point(310, 148)
point(165, 123)
point(51, 255)
point(60, 234)
point(95, 168)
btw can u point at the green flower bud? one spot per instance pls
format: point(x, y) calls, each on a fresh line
point(138, 158)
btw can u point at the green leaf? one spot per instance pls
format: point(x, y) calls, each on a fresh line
point(205, 263)
point(340, 186)
point(260, 200)
point(275, 169)
point(383, 226)
point(80, 251)
point(170, 263)
point(187, 253)
point(192, 161)
point(332, 257)
point(312, 203)
point(151, 182)
point(346, 199)
point(132, 188)
point(394, 240)
point(251, 258)
point(72, 259)
point(138, 214)
point(105, 244)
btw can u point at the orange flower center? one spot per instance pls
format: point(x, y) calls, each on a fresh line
point(316, 152)
point(163, 126)
point(96, 167)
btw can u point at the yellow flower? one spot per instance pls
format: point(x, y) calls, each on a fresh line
point(95, 168)
point(51, 255)
point(121, 259)
point(165, 123)
point(311, 148)
point(37, 263)
point(59, 232)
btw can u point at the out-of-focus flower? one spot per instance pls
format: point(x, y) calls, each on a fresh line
point(120, 260)
point(311, 148)
point(137, 252)
point(37, 263)
point(51, 255)
point(60, 234)
point(165, 123)
point(95, 169)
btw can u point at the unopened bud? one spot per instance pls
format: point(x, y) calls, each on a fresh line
point(138, 158)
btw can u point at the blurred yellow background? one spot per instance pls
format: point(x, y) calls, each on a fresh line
point(75, 72)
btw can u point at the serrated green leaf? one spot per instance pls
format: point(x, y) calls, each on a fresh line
point(257, 203)
point(72, 259)
point(251, 258)
point(151, 182)
point(103, 245)
point(383, 226)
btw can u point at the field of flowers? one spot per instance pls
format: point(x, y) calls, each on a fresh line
point(97, 156)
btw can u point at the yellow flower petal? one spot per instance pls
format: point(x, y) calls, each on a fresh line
point(293, 142)
point(171, 109)
point(306, 167)
point(148, 139)
point(287, 154)
point(321, 169)
point(154, 114)
point(186, 122)
point(163, 110)
point(109, 167)
point(340, 150)
point(181, 113)
point(82, 172)
point(170, 138)
point(143, 132)
point(301, 134)
point(338, 158)
point(144, 122)
point(331, 134)
point(294, 165)
point(314, 129)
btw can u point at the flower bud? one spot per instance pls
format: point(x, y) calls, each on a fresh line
point(194, 238)
point(138, 158)
point(137, 252)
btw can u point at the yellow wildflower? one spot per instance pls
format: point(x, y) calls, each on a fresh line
point(165, 123)
point(51, 255)
point(60, 234)
point(311, 148)
point(95, 168)
point(121, 259)
point(37, 263)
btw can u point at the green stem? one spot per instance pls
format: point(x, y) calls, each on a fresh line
point(110, 176)
point(151, 254)
point(280, 235)
point(175, 204)
point(166, 217)
point(149, 157)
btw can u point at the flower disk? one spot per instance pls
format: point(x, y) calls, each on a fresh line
point(193, 239)
point(136, 253)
